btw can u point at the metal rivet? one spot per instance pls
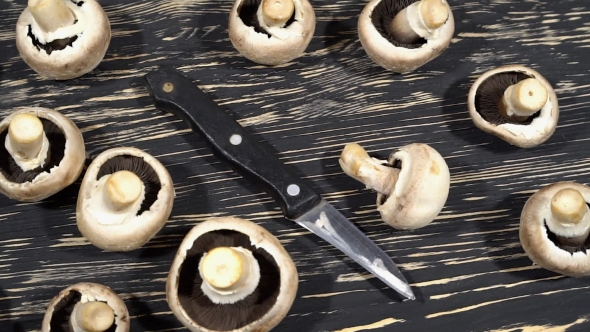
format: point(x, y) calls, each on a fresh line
point(293, 190)
point(235, 139)
point(168, 87)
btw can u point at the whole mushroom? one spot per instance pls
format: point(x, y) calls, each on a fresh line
point(86, 307)
point(230, 274)
point(41, 152)
point(63, 39)
point(403, 35)
point(271, 32)
point(554, 228)
point(412, 186)
point(514, 103)
point(125, 199)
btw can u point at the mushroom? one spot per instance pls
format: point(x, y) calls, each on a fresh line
point(63, 39)
point(412, 186)
point(86, 307)
point(125, 198)
point(554, 228)
point(41, 152)
point(403, 35)
point(271, 32)
point(230, 274)
point(514, 103)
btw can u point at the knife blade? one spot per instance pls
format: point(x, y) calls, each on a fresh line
point(175, 93)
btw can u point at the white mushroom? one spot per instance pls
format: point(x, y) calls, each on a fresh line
point(125, 199)
point(46, 150)
point(410, 197)
point(554, 228)
point(514, 103)
point(63, 39)
point(231, 267)
point(401, 36)
point(271, 32)
point(86, 307)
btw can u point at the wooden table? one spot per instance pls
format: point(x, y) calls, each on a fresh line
point(467, 268)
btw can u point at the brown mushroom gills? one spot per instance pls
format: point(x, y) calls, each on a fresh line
point(57, 142)
point(490, 95)
point(569, 208)
point(247, 14)
point(141, 169)
point(61, 318)
point(225, 317)
point(382, 18)
point(433, 13)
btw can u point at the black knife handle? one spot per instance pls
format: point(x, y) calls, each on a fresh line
point(177, 94)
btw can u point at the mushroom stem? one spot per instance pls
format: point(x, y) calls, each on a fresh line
point(93, 316)
point(123, 189)
point(277, 12)
point(374, 173)
point(26, 141)
point(51, 15)
point(571, 220)
point(523, 99)
point(226, 269)
point(422, 19)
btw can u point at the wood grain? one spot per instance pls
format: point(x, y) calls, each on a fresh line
point(467, 268)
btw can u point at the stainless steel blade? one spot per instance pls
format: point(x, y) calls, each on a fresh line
point(329, 224)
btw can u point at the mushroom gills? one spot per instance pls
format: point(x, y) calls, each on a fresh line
point(54, 45)
point(383, 15)
point(230, 316)
point(62, 313)
point(490, 95)
point(248, 15)
point(139, 167)
point(14, 173)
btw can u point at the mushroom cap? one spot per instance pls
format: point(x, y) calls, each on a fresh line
point(260, 238)
point(400, 59)
point(520, 135)
point(135, 232)
point(262, 49)
point(68, 170)
point(87, 50)
point(421, 190)
point(93, 291)
point(534, 237)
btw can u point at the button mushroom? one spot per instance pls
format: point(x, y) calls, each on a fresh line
point(554, 228)
point(63, 39)
point(402, 35)
point(271, 32)
point(230, 274)
point(412, 186)
point(514, 103)
point(125, 198)
point(41, 153)
point(86, 307)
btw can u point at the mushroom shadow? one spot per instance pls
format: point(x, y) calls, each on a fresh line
point(143, 315)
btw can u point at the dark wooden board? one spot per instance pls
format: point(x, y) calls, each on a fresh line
point(467, 268)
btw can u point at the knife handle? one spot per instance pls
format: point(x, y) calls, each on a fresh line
point(175, 93)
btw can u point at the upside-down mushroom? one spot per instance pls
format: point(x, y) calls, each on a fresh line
point(554, 228)
point(41, 152)
point(271, 32)
point(514, 103)
point(412, 186)
point(230, 274)
point(403, 35)
point(86, 307)
point(63, 39)
point(125, 199)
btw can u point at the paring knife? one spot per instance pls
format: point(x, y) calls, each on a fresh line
point(177, 94)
